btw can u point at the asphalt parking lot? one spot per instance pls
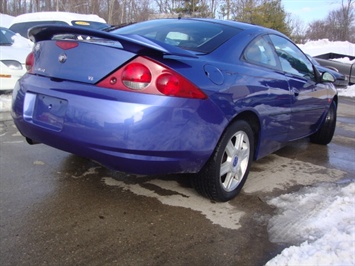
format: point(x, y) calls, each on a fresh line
point(61, 209)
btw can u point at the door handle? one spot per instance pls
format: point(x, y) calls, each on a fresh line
point(296, 92)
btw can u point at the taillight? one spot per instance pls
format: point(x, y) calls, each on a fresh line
point(30, 59)
point(136, 76)
point(168, 84)
point(147, 76)
point(172, 84)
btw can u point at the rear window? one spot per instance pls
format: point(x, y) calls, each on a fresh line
point(193, 35)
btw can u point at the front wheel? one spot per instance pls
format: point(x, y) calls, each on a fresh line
point(325, 133)
point(225, 173)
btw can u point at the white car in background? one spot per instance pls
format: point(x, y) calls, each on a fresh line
point(22, 23)
point(13, 52)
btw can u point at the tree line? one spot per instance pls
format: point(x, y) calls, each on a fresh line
point(338, 25)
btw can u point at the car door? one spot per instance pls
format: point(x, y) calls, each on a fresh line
point(308, 97)
point(269, 93)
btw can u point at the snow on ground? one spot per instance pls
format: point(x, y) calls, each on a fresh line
point(5, 102)
point(319, 220)
point(348, 92)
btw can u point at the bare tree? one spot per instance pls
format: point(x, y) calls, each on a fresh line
point(347, 19)
point(110, 5)
point(298, 29)
point(338, 26)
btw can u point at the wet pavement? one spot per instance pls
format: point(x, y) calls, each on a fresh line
point(61, 209)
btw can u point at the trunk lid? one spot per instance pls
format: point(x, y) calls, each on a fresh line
point(86, 62)
point(87, 55)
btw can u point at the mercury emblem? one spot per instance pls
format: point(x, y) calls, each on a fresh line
point(62, 58)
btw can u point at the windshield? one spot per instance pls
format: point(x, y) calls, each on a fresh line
point(188, 34)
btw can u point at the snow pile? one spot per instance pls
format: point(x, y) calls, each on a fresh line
point(325, 46)
point(323, 218)
point(62, 16)
point(345, 60)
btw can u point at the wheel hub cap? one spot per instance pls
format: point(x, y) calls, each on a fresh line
point(235, 161)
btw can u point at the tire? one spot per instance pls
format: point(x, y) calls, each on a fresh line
point(225, 173)
point(325, 133)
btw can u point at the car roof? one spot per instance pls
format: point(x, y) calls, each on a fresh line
point(240, 25)
point(67, 17)
point(235, 24)
point(200, 35)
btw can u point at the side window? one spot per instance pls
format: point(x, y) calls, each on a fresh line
point(260, 52)
point(292, 60)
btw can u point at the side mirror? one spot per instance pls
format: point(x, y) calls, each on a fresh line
point(327, 77)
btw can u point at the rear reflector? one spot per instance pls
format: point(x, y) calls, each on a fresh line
point(66, 45)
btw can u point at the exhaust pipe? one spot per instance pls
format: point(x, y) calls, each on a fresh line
point(31, 141)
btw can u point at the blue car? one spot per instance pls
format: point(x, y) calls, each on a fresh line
point(166, 96)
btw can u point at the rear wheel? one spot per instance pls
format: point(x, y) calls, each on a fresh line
point(225, 173)
point(325, 133)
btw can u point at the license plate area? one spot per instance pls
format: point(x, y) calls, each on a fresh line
point(49, 112)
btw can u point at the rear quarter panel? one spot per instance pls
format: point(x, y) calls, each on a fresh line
point(244, 88)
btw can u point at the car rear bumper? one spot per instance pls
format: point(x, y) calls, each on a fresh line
point(130, 132)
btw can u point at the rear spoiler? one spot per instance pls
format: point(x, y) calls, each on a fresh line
point(130, 42)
